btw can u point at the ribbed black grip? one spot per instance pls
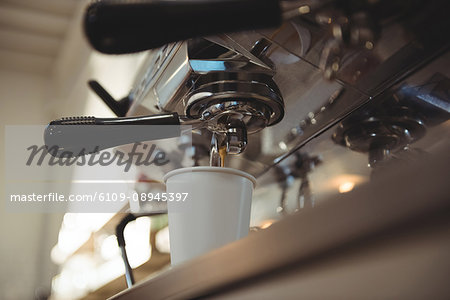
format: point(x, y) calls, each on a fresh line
point(77, 120)
point(127, 26)
point(162, 119)
point(77, 136)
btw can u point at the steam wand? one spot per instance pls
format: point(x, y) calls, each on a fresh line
point(120, 228)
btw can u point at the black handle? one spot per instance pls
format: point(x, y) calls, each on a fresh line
point(127, 26)
point(77, 136)
point(120, 108)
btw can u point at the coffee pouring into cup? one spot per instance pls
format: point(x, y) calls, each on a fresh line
point(230, 97)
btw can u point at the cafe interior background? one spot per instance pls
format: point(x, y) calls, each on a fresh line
point(45, 64)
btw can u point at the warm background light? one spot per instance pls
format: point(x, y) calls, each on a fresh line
point(346, 187)
point(266, 224)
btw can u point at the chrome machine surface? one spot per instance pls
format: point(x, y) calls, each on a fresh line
point(338, 93)
point(362, 90)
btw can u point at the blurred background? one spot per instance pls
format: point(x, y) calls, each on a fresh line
point(45, 64)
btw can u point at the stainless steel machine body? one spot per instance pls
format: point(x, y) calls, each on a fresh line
point(337, 94)
point(385, 99)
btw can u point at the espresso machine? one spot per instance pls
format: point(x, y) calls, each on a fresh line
point(313, 98)
point(315, 68)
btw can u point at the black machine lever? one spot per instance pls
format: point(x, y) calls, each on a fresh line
point(77, 136)
point(119, 107)
point(124, 26)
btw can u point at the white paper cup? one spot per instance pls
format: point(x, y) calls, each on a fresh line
point(215, 212)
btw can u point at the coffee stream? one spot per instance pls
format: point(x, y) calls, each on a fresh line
point(223, 154)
